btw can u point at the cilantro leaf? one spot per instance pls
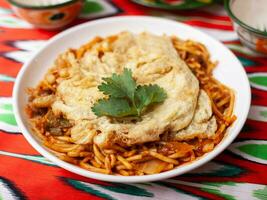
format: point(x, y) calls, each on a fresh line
point(125, 97)
point(149, 94)
point(113, 107)
point(119, 86)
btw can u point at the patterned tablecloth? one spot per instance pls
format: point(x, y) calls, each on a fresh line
point(240, 172)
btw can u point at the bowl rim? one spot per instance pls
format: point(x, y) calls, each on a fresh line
point(21, 5)
point(239, 22)
point(198, 4)
point(113, 178)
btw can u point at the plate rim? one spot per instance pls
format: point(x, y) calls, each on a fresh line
point(112, 178)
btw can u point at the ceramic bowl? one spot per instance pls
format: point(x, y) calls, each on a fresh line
point(175, 4)
point(229, 71)
point(48, 16)
point(249, 36)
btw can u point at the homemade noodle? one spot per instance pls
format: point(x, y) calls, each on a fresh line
point(141, 159)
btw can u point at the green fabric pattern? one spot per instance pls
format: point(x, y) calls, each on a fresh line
point(217, 192)
point(219, 169)
point(8, 21)
point(13, 22)
point(8, 118)
point(220, 183)
point(168, 185)
point(246, 62)
point(241, 49)
point(263, 114)
point(261, 193)
point(228, 171)
point(79, 185)
point(6, 78)
point(259, 80)
point(33, 158)
point(5, 11)
point(116, 187)
point(127, 189)
point(6, 107)
point(256, 150)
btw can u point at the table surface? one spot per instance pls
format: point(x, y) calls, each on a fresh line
point(240, 172)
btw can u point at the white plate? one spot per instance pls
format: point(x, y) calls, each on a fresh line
point(229, 71)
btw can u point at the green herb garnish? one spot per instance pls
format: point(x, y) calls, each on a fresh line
point(125, 98)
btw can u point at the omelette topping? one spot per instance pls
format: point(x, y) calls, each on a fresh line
point(152, 60)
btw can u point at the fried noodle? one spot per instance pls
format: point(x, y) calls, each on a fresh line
point(148, 158)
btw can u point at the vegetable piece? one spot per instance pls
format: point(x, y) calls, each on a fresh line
point(125, 97)
point(54, 125)
point(55, 131)
point(178, 149)
point(152, 166)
